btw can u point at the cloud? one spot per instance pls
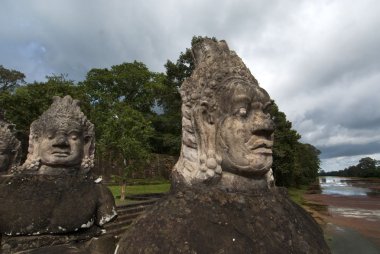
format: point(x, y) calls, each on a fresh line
point(317, 59)
point(342, 162)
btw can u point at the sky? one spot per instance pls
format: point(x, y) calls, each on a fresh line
point(319, 60)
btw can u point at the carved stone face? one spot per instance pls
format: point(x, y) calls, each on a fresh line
point(62, 144)
point(4, 157)
point(245, 130)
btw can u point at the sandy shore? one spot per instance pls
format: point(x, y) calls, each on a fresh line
point(359, 213)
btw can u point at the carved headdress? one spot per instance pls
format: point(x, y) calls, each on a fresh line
point(217, 70)
point(63, 112)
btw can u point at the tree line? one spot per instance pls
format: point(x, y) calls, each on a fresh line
point(137, 112)
point(367, 167)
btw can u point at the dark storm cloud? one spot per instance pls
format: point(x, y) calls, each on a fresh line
point(350, 150)
point(319, 60)
point(79, 35)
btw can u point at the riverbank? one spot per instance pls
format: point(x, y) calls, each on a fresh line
point(348, 210)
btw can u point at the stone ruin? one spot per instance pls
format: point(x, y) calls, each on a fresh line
point(9, 147)
point(223, 197)
point(52, 203)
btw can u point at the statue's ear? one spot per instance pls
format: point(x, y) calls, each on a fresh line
point(89, 146)
point(205, 131)
point(203, 114)
point(32, 161)
point(88, 154)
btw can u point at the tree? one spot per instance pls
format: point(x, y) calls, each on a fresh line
point(131, 83)
point(285, 149)
point(125, 134)
point(309, 163)
point(168, 124)
point(10, 79)
point(367, 167)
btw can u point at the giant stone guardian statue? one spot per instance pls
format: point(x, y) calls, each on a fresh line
point(227, 132)
point(9, 148)
point(53, 198)
point(223, 198)
point(61, 141)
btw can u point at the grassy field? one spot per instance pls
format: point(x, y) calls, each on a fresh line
point(140, 189)
point(137, 189)
point(296, 194)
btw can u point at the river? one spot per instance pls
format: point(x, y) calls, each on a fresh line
point(349, 211)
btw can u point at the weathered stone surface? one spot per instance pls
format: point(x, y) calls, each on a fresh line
point(62, 243)
point(41, 204)
point(10, 148)
point(227, 133)
point(84, 242)
point(207, 219)
point(61, 140)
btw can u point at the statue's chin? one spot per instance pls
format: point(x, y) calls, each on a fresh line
point(57, 170)
point(243, 168)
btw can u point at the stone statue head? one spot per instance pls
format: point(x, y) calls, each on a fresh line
point(227, 133)
point(10, 148)
point(61, 140)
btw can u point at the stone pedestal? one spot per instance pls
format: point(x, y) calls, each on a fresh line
point(211, 220)
point(52, 214)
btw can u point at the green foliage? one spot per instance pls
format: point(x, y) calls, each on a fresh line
point(136, 89)
point(284, 149)
point(168, 124)
point(294, 163)
point(131, 83)
point(367, 167)
point(125, 134)
point(308, 162)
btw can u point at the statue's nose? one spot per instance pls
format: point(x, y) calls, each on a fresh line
point(262, 125)
point(61, 140)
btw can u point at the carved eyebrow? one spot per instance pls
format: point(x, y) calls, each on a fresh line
point(241, 98)
point(75, 130)
point(267, 104)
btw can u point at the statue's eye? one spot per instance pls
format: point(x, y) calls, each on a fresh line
point(267, 107)
point(257, 105)
point(74, 135)
point(50, 134)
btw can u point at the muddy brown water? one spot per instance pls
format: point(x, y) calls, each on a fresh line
point(348, 209)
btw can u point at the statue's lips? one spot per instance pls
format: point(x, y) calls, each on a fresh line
point(260, 146)
point(61, 153)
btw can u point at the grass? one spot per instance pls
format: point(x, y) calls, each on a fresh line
point(296, 194)
point(138, 189)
